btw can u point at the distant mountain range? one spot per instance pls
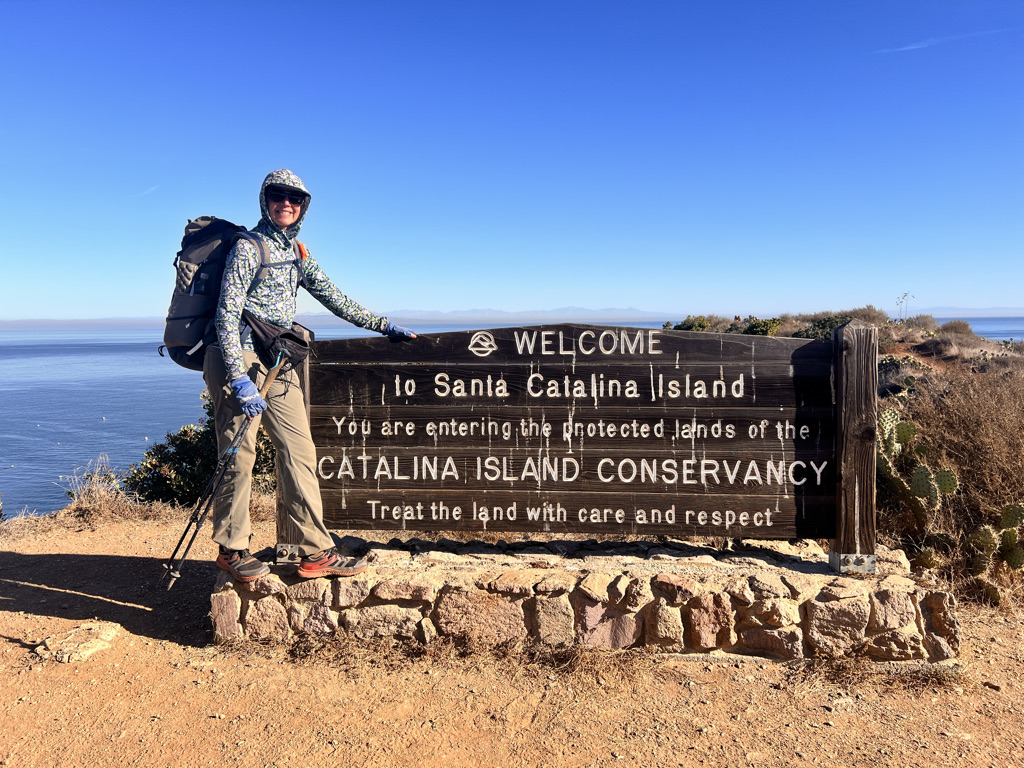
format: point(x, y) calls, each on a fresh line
point(483, 318)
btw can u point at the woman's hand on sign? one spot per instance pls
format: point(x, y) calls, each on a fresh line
point(397, 332)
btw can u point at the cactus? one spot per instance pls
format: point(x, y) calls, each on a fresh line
point(905, 432)
point(980, 564)
point(921, 481)
point(946, 480)
point(984, 539)
point(990, 590)
point(1014, 559)
point(1012, 516)
point(1010, 539)
point(888, 419)
point(928, 558)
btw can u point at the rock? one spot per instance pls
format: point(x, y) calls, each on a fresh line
point(891, 561)
point(224, 582)
point(414, 588)
point(638, 595)
point(775, 612)
point(605, 626)
point(891, 610)
point(296, 616)
point(381, 621)
point(443, 558)
point(320, 620)
point(664, 625)
point(783, 643)
point(896, 646)
point(617, 588)
point(740, 590)
point(843, 588)
point(595, 586)
point(897, 583)
point(427, 632)
point(226, 611)
point(514, 583)
point(942, 630)
point(768, 585)
point(477, 617)
point(266, 619)
point(802, 587)
point(834, 628)
point(264, 586)
point(556, 583)
point(350, 592)
point(383, 558)
point(551, 620)
point(710, 622)
point(307, 589)
point(676, 589)
point(80, 643)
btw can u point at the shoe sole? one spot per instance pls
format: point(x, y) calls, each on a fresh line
point(315, 573)
point(240, 577)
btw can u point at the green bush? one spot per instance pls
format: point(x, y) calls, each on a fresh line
point(691, 323)
point(177, 471)
point(767, 327)
point(822, 328)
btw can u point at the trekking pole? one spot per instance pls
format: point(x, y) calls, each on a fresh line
point(205, 502)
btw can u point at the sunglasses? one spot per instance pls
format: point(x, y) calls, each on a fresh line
point(280, 197)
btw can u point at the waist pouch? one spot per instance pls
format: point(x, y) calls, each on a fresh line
point(270, 340)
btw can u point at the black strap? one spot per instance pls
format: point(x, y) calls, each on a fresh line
point(266, 266)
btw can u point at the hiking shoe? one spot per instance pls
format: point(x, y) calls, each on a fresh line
point(330, 563)
point(242, 565)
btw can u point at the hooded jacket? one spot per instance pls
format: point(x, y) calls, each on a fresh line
point(273, 300)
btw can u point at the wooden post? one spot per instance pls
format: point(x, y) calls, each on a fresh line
point(856, 389)
point(286, 550)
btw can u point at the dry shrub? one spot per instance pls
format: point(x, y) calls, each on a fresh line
point(869, 314)
point(957, 327)
point(922, 323)
point(974, 425)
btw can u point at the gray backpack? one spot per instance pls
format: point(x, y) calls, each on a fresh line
point(200, 267)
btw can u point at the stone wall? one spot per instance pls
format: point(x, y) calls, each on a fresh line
point(783, 602)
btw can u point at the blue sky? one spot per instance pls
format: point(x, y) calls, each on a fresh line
point(685, 157)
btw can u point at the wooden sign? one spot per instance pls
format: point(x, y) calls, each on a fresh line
point(584, 429)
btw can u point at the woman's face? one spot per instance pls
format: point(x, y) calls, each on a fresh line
point(283, 209)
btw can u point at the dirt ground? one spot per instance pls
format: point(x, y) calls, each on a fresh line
point(162, 696)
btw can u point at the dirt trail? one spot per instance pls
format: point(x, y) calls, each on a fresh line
point(160, 696)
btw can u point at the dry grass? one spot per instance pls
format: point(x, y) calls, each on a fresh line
point(580, 666)
point(860, 673)
point(974, 425)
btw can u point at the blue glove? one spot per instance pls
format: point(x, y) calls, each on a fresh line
point(248, 396)
point(398, 332)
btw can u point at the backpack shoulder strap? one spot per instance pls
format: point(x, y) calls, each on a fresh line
point(266, 264)
point(262, 249)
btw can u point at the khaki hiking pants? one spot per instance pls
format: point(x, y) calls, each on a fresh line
point(286, 423)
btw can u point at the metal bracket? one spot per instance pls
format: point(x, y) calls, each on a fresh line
point(286, 554)
point(851, 563)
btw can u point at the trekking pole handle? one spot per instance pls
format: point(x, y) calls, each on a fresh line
point(272, 374)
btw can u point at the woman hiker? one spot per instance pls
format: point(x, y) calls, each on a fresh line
point(232, 370)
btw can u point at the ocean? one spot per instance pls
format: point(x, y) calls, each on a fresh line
point(74, 398)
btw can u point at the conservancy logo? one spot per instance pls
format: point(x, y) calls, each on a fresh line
point(482, 344)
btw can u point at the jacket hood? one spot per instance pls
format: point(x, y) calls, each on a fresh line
point(281, 178)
